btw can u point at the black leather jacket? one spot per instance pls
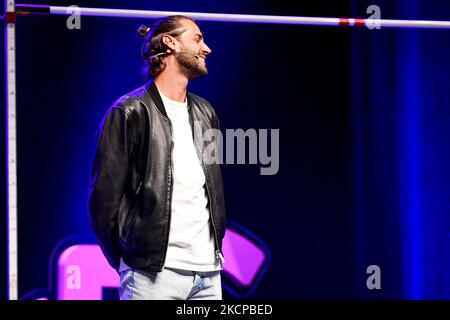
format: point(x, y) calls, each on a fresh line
point(131, 183)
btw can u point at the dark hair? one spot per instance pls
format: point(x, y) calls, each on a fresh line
point(154, 45)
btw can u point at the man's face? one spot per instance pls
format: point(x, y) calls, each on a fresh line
point(191, 41)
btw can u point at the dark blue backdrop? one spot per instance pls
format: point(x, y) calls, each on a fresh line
point(401, 107)
point(364, 150)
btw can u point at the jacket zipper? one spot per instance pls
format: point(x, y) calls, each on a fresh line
point(218, 253)
point(138, 188)
point(161, 267)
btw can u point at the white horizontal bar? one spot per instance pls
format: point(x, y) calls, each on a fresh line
point(414, 24)
point(221, 17)
point(224, 17)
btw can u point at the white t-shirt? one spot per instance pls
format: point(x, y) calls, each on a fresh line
point(191, 239)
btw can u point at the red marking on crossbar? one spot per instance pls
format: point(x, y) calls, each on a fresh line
point(344, 21)
point(10, 17)
point(351, 22)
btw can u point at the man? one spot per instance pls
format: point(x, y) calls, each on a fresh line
point(156, 207)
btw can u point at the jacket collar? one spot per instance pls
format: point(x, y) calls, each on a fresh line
point(153, 92)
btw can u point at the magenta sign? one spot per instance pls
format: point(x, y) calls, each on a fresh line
point(83, 272)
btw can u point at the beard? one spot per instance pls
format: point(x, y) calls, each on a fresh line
point(190, 66)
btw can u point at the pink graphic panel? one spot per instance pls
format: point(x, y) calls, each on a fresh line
point(243, 257)
point(83, 272)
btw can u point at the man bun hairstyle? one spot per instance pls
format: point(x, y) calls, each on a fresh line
point(153, 49)
point(143, 30)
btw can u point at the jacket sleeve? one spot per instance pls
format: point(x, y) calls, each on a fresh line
point(108, 179)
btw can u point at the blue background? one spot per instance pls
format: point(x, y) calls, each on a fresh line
point(364, 121)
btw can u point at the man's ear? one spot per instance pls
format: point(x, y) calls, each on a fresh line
point(169, 42)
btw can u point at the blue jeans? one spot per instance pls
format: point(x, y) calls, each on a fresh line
point(170, 284)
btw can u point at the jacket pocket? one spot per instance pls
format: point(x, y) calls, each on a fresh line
point(132, 212)
point(129, 222)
